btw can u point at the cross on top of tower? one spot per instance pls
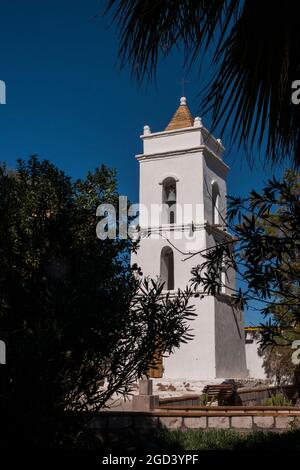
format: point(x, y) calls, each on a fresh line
point(183, 82)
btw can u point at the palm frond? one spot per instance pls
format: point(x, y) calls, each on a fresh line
point(256, 55)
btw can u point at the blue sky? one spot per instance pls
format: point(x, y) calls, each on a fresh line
point(68, 101)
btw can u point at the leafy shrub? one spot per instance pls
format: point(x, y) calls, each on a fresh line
point(278, 400)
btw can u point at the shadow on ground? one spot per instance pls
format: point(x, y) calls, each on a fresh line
point(131, 440)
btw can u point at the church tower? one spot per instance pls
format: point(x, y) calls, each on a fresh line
point(182, 211)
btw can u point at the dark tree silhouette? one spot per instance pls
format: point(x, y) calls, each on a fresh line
point(264, 251)
point(80, 326)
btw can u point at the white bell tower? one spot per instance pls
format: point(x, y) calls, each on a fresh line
point(182, 210)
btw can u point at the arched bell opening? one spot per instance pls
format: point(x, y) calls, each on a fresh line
point(169, 199)
point(167, 268)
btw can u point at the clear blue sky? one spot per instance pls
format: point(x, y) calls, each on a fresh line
point(68, 101)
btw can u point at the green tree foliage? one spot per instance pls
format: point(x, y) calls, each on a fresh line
point(254, 64)
point(81, 327)
point(278, 365)
point(264, 251)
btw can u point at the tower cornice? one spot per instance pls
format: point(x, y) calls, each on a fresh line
point(179, 140)
point(195, 128)
point(178, 153)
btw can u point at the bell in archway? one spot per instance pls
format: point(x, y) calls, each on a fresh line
point(171, 199)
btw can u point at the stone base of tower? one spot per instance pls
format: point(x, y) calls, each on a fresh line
point(217, 350)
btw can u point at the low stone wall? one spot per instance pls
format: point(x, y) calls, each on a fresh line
point(242, 419)
point(188, 400)
point(244, 396)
